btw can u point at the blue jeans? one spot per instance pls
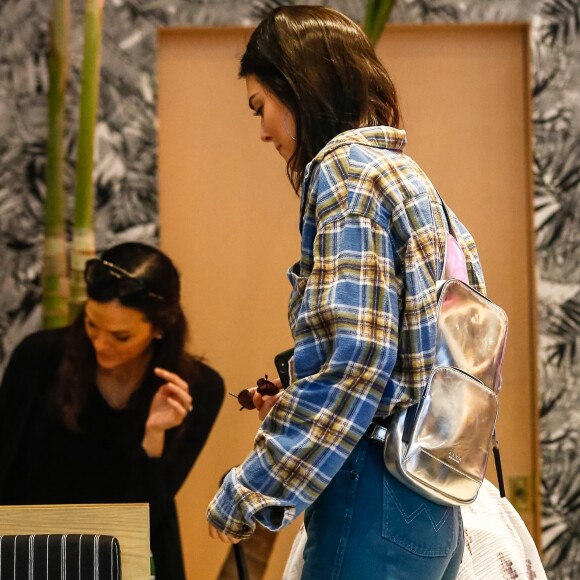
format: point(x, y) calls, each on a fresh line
point(368, 526)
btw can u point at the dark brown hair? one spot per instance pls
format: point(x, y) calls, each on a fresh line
point(77, 371)
point(322, 67)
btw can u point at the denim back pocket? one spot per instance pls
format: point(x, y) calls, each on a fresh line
point(415, 523)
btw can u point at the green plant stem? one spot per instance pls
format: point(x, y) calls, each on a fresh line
point(55, 287)
point(83, 239)
point(377, 15)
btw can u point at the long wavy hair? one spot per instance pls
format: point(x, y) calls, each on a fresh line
point(160, 278)
point(322, 67)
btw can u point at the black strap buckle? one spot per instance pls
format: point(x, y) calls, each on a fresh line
point(377, 432)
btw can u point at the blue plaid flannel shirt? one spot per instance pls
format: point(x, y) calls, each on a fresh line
point(362, 314)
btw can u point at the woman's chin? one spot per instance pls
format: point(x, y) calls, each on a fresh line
point(107, 363)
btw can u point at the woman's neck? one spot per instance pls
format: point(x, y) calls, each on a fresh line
point(116, 385)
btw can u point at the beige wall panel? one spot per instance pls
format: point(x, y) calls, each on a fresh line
point(230, 219)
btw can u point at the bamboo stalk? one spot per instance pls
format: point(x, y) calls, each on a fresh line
point(377, 15)
point(55, 287)
point(83, 246)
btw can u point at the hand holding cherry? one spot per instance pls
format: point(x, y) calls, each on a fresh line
point(264, 388)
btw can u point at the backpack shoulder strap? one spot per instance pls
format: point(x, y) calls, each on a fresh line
point(454, 265)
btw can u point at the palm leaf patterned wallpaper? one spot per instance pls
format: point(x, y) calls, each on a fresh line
point(125, 177)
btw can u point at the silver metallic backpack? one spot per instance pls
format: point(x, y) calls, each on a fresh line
point(440, 446)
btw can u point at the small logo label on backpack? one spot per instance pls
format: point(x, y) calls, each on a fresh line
point(454, 457)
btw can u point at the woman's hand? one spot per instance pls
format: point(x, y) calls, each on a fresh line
point(169, 407)
point(215, 534)
point(264, 403)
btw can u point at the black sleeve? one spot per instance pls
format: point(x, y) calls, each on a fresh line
point(207, 392)
point(157, 480)
point(32, 368)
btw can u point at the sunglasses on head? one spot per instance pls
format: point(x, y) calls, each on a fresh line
point(100, 275)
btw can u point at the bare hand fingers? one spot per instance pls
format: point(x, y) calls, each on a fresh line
point(213, 532)
point(256, 397)
point(178, 387)
point(181, 410)
point(217, 535)
point(171, 378)
point(174, 395)
point(266, 404)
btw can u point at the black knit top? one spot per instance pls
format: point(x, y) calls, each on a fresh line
point(43, 462)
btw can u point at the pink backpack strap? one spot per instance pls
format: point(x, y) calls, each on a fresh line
point(455, 266)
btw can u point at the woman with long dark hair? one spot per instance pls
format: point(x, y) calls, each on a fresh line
point(362, 310)
point(111, 409)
